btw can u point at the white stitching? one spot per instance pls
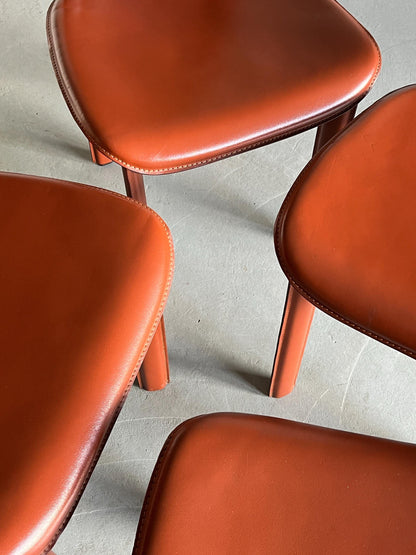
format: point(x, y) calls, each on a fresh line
point(275, 137)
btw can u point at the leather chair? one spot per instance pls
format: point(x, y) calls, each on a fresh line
point(237, 483)
point(160, 87)
point(84, 278)
point(345, 236)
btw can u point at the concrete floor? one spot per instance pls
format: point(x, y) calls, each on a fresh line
point(227, 297)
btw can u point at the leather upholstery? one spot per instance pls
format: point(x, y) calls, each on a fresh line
point(84, 277)
point(231, 483)
point(345, 233)
point(163, 86)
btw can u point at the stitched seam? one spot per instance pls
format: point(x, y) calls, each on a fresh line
point(154, 481)
point(123, 198)
point(372, 39)
point(349, 323)
point(113, 420)
point(119, 196)
point(301, 289)
point(338, 111)
point(132, 377)
point(305, 293)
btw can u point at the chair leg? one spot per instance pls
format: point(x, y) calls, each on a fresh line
point(97, 157)
point(327, 130)
point(134, 185)
point(294, 330)
point(154, 371)
point(298, 312)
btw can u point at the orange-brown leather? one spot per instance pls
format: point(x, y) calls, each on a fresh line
point(84, 277)
point(345, 233)
point(232, 484)
point(163, 86)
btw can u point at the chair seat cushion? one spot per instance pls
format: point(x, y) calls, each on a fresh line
point(83, 280)
point(231, 483)
point(345, 234)
point(163, 86)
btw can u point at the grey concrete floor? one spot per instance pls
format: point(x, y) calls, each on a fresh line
point(228, 292)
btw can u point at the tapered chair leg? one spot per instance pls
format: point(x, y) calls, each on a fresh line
point(327, 130)
point(154, 371)
point(97, 157)
point(294, 330)
point(298, 312)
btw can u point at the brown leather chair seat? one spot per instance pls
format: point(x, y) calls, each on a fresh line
point(84, 278)
point(345, 234)
point(163, 86)
point(160, 87)
point(232, 483)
